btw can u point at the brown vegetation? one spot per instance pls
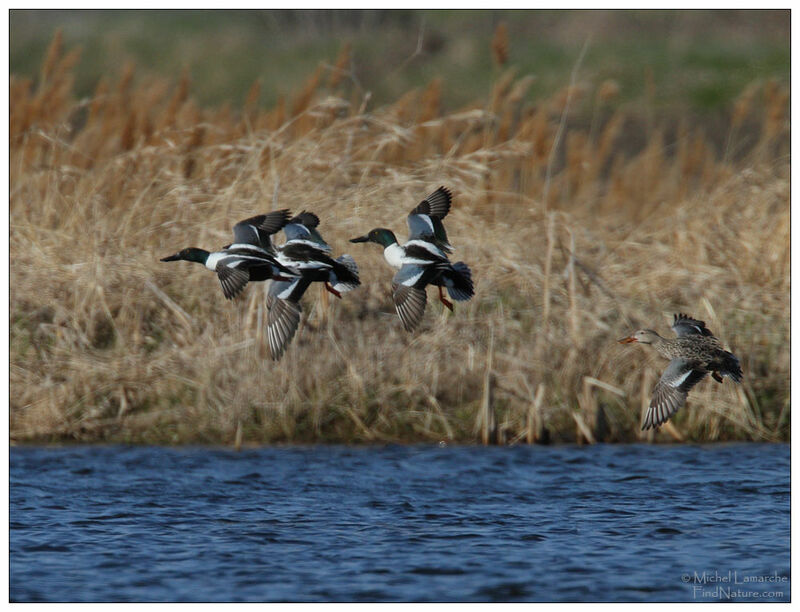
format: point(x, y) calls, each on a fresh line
point(579, 228)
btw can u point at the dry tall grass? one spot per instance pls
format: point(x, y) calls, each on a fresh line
point(107, 343)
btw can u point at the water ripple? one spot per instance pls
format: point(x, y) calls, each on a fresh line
point(395, 523)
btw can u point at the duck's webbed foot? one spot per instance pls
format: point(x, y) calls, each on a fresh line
point(332, 290)
point(444, 300)
point(716, 376)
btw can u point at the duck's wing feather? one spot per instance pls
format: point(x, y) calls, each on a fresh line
point(303, 227)
point(684, 325)
point(261, 264)
point(344, 276)
point(420, 226)
point(300, 234)
point(423, 252)
point(423, 227)
point(232, 279)
point(302, 254)
point(436, 205)
point(283, 317)
point(296, 231)
point(257, 230)
point(671, 391)
point(408, 275)
point(317, 238)
point(306, 218)
point(425, 221)
point(291, 290)
point(409, 302)
point(250, 253)
point(283, 313)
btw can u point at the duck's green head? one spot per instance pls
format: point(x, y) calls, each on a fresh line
point(189, 254)
point(379, 235)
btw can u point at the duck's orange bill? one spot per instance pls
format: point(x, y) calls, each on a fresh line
point(627, 340)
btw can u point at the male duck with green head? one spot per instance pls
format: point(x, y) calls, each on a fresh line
point(251, 257)
point(422, 260)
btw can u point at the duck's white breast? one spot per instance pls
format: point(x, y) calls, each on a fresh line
point(394, 255)
point(213, 260)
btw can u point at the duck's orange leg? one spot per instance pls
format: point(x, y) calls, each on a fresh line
point(332, 290)
point(444, 300)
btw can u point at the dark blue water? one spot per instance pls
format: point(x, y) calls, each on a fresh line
point(599, 523)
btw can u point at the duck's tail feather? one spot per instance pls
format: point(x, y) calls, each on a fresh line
point(344, 276)
point(459, 284)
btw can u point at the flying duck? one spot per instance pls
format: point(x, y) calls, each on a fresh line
point(306, 254)
point(423, 260)
point(250, 257)
point(693, 354)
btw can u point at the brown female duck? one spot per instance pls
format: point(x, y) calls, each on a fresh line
point(693, 354)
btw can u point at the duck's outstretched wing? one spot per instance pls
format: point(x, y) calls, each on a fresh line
point(425, 221)
point(409, 298)
point(232, 279)
point(303, 228)
point(436, 205)
point(257, 230)
point(684, 325)
point(296, 232)
point(671, 391)
point(283, 313)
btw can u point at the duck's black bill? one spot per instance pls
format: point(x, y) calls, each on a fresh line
point(364, 238)
point(174, 257)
